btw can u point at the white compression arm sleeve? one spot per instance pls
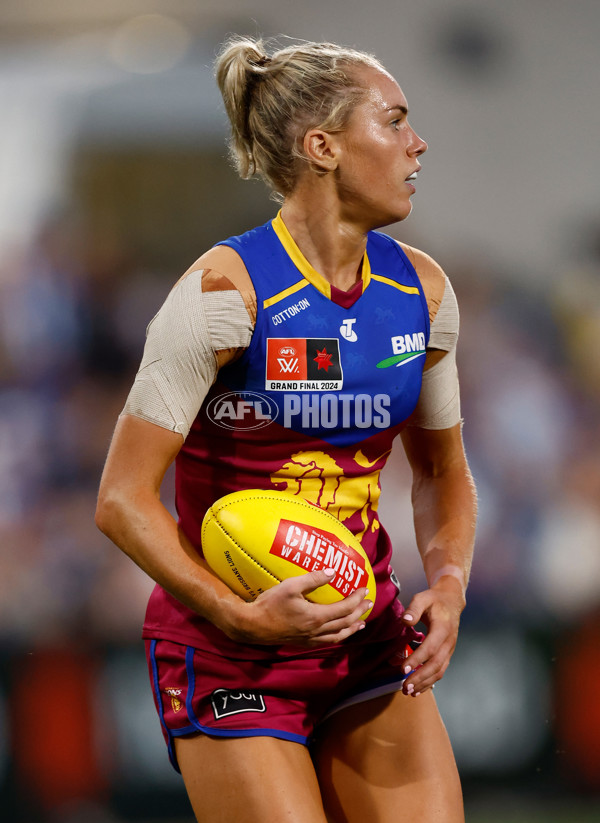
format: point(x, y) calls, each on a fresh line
point(439, 401)
point(179, 364)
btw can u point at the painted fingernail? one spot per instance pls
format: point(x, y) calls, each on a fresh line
point(329, 572)
point(410, 688)
point(368, 604)
point(362, 625)
point(416, 694)
point(407, 616)
point(407, 670)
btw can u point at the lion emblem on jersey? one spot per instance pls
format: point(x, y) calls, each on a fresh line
point(318, 478)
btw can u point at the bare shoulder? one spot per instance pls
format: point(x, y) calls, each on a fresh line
point(227, 262)
point(431, 275)
point(224, 270)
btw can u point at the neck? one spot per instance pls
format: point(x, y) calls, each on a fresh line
point(332, 245)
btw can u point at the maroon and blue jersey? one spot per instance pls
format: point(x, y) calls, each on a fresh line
point(311, 407)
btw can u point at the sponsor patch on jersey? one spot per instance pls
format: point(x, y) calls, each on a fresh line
point(303, 364)
point(290, 311)
point(406, 347)
point(348, 331)
point(226, 702)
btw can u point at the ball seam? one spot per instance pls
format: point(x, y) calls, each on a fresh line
point(290, 499)
point(242, 549)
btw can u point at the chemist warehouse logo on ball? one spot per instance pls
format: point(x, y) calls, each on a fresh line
point(314, 549)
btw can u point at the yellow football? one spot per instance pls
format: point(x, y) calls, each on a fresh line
point(254, 539)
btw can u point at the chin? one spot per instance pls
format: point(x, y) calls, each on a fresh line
point(395, 216)
point(406, 210)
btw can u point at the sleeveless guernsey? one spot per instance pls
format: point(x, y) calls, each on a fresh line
point(311, 408)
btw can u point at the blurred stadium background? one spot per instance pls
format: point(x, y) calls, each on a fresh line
point(113, 179)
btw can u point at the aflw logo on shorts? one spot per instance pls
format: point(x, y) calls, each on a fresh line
point(175, 694)
point(303, 363)
point(313, 550)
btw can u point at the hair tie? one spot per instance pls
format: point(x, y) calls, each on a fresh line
point(263, 61)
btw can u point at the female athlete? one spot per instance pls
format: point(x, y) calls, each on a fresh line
point(288, 358)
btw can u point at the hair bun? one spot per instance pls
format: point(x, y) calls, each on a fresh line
point(271, 101)
point(262, 61)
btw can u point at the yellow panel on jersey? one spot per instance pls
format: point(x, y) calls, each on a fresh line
point(285, 293)
point(406, 289)
point(302, 264)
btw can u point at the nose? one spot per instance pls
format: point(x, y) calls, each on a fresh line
point(419, 146)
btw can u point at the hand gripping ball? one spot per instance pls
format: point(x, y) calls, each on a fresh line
point(254, 539)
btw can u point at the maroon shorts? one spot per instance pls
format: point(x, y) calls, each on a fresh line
point(286, 697)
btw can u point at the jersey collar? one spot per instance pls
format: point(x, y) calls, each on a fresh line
point(304, 267)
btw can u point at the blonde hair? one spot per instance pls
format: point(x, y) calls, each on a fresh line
point(272, 101)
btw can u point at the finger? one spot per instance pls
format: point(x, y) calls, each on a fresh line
point(310, 581)
point(438, 641)
point(442, 635)
point(430, 672)
point(428, 648)
point(421, 686)
point(334, 626)
point(336, 637)
point(326, 619)
point(416, 607)
point(419, 693)
point(423, 691)
point(344, 607)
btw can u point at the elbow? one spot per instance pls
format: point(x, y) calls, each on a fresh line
point(109, 508)
point(452, 479)
point(453, 468)
point(101, 516)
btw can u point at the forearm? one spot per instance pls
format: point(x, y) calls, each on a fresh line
point(147, 533)
point(143, 528)
point(131, 514)
point(445, 508)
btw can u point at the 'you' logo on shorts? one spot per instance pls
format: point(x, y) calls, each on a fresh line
point(228, 701)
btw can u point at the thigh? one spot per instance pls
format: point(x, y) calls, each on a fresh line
point(249, 780)
point(387, 757)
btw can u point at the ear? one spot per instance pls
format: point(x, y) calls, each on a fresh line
point(321, 150)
